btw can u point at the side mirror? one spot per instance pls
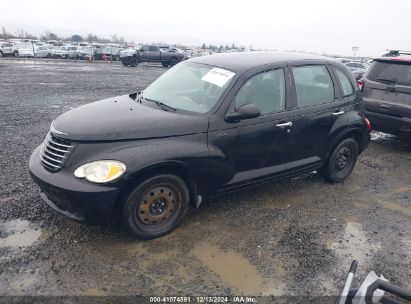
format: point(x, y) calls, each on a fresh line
point(246, 111)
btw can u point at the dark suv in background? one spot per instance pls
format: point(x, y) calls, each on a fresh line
point(208, 126)
point(386, 90)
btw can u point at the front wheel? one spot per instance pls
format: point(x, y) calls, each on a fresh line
point(133, 62)
point(341, 161)
point(156, 206)
point(15, 54)
point(173, 62)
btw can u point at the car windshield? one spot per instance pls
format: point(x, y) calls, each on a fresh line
point(390, 72)
point(190, 86)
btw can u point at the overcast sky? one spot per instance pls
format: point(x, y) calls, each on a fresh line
point(318, 26)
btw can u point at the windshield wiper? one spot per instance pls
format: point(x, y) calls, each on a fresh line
point(163, 106)
point(388, 81)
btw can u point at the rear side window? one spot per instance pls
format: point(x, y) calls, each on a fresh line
point(390, 73)
point(266, 90)
point(313, 85)
point(345, 82)
point(152, 48)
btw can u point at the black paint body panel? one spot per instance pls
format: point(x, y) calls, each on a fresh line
point(215, 155)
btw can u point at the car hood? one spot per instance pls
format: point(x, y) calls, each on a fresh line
point(122, 118)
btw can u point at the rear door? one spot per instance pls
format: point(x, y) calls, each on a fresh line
point(387, 89)
point(318, 104)
point(153, 53)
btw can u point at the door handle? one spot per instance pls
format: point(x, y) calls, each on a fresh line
point(338, 113)
point(285, 124)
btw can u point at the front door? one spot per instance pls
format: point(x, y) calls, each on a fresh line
point(255, 147)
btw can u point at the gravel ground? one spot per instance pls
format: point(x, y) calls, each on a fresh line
point(295, 237)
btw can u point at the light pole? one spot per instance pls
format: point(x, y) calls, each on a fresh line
point(355, 49)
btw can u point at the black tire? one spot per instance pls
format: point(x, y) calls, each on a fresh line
point(133, 62)
point(15, 54)
point(341, 161)
point(66, 56)
point(165, 64)
point(173, 62)
point(156, 206)
point(49, 55)
point(1, 54)
point(124, 62)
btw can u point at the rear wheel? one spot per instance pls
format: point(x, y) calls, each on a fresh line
point(15, 54)
point(341, 161)
point(165, 64)
point(156, 206)
point(1, 54)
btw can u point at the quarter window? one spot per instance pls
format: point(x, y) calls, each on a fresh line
point(266, 90)
point(346, 85)
point(313, 85)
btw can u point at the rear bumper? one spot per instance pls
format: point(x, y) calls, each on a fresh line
point(75, 198)
point(389, 124)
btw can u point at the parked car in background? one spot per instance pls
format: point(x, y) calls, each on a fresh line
point(358, 74)
point(60, 52)
point(210, 125)
point(8, 49)
point(85, 52)
point(110, 53)
point(26, 50)
point(386, 89)
point(44, 52)
point(153, 53)
point(354, 65)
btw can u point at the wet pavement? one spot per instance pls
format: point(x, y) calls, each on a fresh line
point(294, 237)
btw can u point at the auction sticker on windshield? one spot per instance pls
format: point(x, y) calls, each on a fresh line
point(218, 76)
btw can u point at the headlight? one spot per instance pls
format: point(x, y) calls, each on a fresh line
point(101, 171)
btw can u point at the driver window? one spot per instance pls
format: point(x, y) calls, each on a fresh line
point(266, 90)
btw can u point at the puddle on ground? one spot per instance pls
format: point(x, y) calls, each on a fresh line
point(354, 244)
point(235, 271)
point(396, 207)
point(19, 233)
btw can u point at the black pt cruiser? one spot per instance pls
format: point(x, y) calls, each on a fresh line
point(208, 126)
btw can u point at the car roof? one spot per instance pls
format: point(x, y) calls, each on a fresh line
point(243, 61)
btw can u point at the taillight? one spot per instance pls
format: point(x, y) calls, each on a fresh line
point(367, 122)
point(360, 84)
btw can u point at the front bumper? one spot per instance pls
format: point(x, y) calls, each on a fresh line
point(75, 198)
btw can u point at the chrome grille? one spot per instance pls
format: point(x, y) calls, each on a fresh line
point(55, 152)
